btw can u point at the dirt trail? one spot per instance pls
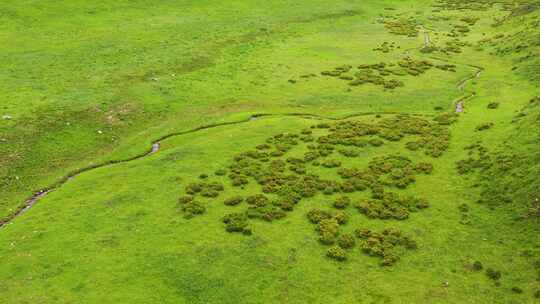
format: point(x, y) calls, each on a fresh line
point(460, 102)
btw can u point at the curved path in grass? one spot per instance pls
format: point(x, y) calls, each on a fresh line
point(460, 102)
point(156, 143)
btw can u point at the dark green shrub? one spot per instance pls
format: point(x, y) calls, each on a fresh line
point(194, 188)
point(337, 253)
point(331, 163)
point(209, 193)
point(493, 105)
point(233, 201)
point(257, 200)
point(389, 259)
point(485, 126)
point(537, 294)
point(477, 265)
point(376, 142)
point(493, 274)
point(203, 176)
point(220, 172)
point(341, 217)
point(362, 233)
point(349, 152)
point(425, 168)
point(236, 222)
point(517, 289)
point(342, 202)
point(328, 230)
point(347, 187)
point(185, 199)
point(192, 209)
point(346, 241)
point(317, 215)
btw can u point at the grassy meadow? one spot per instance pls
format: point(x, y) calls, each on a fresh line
point(291, 107)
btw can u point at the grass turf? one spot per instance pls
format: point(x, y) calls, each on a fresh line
point(137, 73)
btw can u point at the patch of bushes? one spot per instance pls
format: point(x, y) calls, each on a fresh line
point(220, 172)
point(477, 265)
point(342, 202)
point(484, 126)
point(493, 105)
point(336, 253)
point(328, 231)
point(346, 241)
point(258, 200)
point(185, 199)
point(391, 206)
point(493, 274)
point(233, 201)
point(331, 163)
point(405, 27)
point(237, 222)
point(192, 209)
point(317, 215)
point(383, 244)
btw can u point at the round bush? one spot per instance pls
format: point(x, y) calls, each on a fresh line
point(233, 201)
point(336, 253)
point(342, 202)
point(346, 241)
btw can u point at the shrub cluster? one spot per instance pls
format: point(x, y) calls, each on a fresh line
point(192, 209)
point(391, 206)
point(233, 201)
point(237, 222)
point(484, 126)
point(405, 27)
point(386, 47)
point(383, 244)
point(211, 189)
point(336, 253)
point(479, 160)
point(342, 202)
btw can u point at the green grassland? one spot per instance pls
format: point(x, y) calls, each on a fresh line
point(88, 87)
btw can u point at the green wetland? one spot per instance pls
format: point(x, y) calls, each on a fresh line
point(270, 152)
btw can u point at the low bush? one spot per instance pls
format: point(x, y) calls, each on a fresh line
point(258, 200)
point(346, 241)
point(382, 244)
point(493, 105)
point(484, 126)
point(336, 253)
point(317, 215)
point(376, 142)
point(192, 209)
point(516, 289)
point(341, 217)
point(493, 274)
point(185, 199)
point(237, 222)
point(342, 202)
point(477, 265)
point(331, 163)
point(328, 231)
point(233, 201)
point(220, 172)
